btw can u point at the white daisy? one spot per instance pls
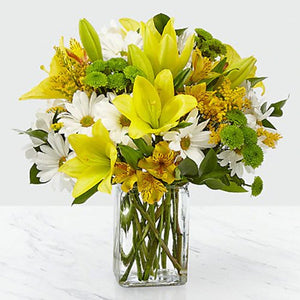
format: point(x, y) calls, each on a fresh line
point(115, 42)
point(115, 123)
point(51, 157)
point(191, 140)
point(81, 114)
point(234, 160)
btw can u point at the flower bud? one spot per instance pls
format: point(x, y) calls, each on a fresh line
point(90, 40)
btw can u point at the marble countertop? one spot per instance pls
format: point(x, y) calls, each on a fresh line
point(65, 253)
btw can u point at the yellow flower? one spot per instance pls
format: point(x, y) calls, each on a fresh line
point(67, 69)
point(162, 162)
point(153, 109)
point(162, 50)
point(202, 66)
point(270, 138)
point(214, 105)
point(126, 175)
point(95, 160)
point(150, 188)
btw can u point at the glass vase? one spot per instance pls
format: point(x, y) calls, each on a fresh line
point(151, 240)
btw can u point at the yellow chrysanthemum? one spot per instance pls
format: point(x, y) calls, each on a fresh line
point(95, 160)
point(126, 175)
point(150, 188)
point(162, 162)
point(67, 69)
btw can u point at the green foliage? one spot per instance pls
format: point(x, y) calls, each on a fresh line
point(219, 68)
point(131, 72)
point(257, 186)
point(209, 46)
point(34, 179)
point(236, 117)
point(85, 196)
point(250, 135)
point(181, 78)
point(143, 146)
point(96, 79)
point(255, 80)
point(188, 168)
point(253, 155)
point(268, 124)
point(38, 134)
point(117, 64)
point(277, 112)
point(218, 184)
point(232, 136)
point(160, 21)
point(131, 155)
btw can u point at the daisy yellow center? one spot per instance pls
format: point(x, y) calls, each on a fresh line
point(62, 160)
point(124, 121)
point(87, 121)
point(185, 143)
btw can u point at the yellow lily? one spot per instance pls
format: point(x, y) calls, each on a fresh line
point(153, 109)
point(67, 69)
point(162, 50)
point(245, 68)
point(95, 160)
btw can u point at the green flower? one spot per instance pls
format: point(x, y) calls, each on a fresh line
point(131, 72)
point(257, 186)
point(96, 66)
point(253, 155)
point(250, 136)
point(117, 64)
point(236, 117)
point(117, 81)
point(95, 79)
point(232, 136)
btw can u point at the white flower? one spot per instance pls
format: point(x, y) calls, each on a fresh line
point(114, 122)
point(191, 140)
point(115, 42)
point(51, 157)
point(234, 160)
point(81, 115)
point(181, 41)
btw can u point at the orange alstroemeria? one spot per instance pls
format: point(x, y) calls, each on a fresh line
point(126, 175)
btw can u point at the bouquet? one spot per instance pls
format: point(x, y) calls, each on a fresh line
point(150, 108)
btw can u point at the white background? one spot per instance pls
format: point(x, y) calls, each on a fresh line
point(269, 30)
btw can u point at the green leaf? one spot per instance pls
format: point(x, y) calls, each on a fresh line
point(183, 124)
point(131, 155)
point(85, 196)
point(143, 146)
point(160, 21)
point(38, 133)
point(33, 175)
point(255, 80)
point(181, 78)
point(277, 112)
point(219, 68)
point(209, 163)
point(217, 184)
point(188, 168)
point(180, 31)
point(263, 108)
point(268, 124)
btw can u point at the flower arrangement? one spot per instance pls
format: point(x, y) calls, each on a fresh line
point(150, 107)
